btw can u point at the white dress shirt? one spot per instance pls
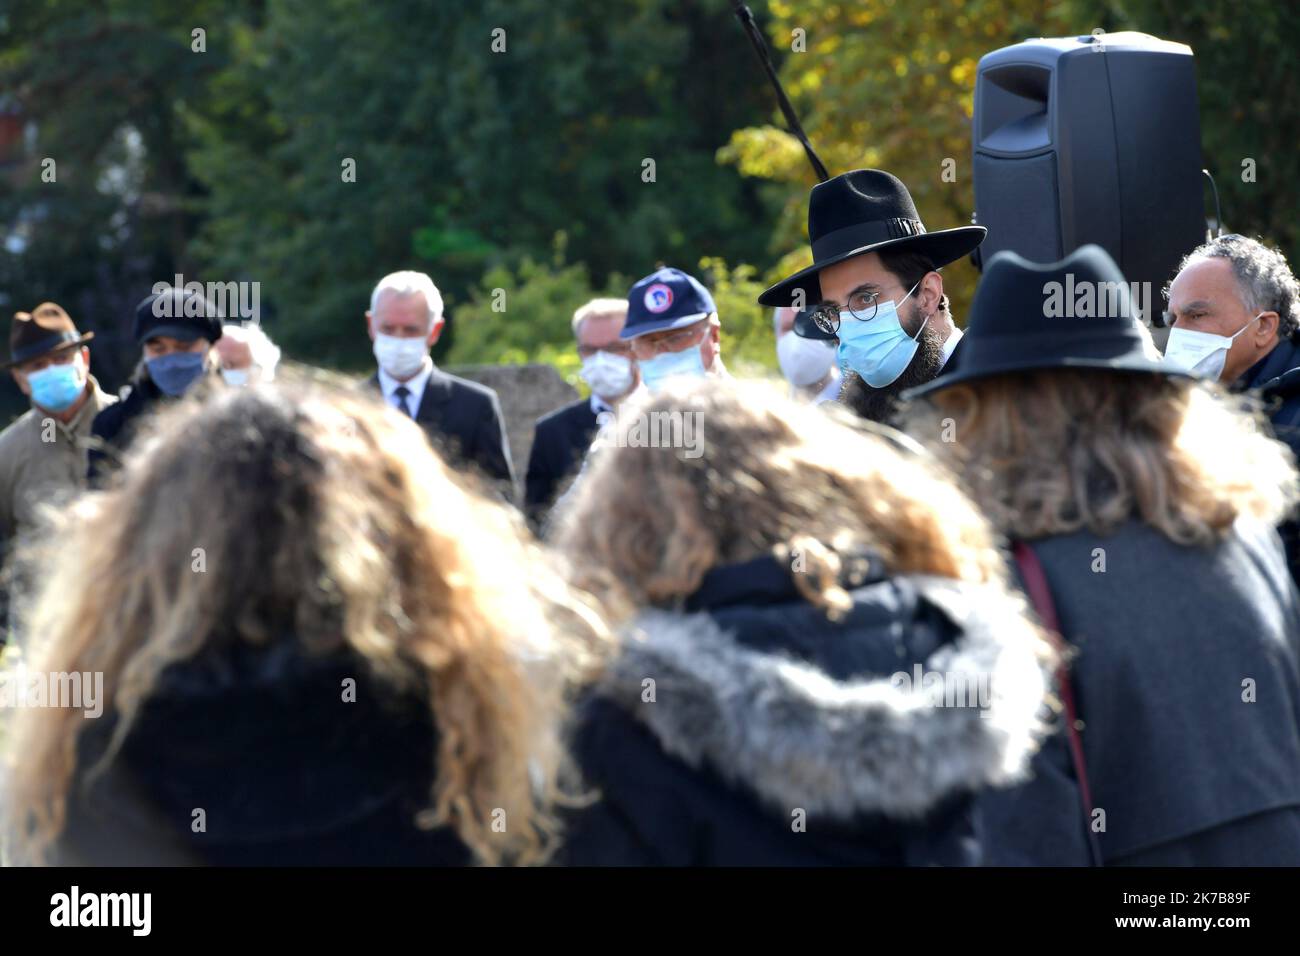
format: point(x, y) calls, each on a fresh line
point(599, 405)
point(951, 344)
point(388, 385)
point(832, 389)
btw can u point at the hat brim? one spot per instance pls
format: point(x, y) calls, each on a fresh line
point(1138, 364)
point(645, 328)
point(942, 247)
point(806, 328)
point(185, 333)
point(61, 347)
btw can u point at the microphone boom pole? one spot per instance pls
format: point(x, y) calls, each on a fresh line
point(746, 17)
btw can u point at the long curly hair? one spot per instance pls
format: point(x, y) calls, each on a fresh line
point(771, 476)
point(324, 519)
point(1053, 452)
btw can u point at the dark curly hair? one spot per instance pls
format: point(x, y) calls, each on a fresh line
point(1263, 276)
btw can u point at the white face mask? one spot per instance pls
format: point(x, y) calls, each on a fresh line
point(609, 375)
point(1202, 354)
point(399, 357)
point(236, 377)
point(803, 361)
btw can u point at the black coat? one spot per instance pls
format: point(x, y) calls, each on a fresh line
point(1040, 821)
point(767, 716)
point(115, 427)
point(464, 422)
point(285, 771)
point(1276, 380)
point(1170, 640)
point(560, 440)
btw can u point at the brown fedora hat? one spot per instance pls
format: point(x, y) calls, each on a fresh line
point(47, 328)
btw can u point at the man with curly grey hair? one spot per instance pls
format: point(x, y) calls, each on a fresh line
point(1234, 309)
point(1233, 312)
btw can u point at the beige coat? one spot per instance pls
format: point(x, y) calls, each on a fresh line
point(42, 461)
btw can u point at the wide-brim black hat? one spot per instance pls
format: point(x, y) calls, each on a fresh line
point(1072, 314)
point(863, 211)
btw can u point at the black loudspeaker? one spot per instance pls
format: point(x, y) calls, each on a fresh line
point(1090, 139)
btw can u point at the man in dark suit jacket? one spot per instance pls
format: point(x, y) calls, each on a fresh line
point(562, 438)
point(462, 419)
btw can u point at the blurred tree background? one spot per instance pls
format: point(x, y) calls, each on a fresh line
point(521, 170)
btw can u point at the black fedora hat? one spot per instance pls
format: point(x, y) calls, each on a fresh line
point(1076, 313)
point(866, 210)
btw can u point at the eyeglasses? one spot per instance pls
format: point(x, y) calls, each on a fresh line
point(862, 306)
point(647, 348)
point(615, 348)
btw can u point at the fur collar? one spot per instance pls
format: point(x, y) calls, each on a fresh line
point(798, 737)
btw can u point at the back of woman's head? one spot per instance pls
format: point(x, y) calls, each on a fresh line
point(754, 473)
point(1058, 451)
point(306, 512)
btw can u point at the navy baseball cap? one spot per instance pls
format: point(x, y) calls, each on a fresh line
point(806, 328)
point(667, 299)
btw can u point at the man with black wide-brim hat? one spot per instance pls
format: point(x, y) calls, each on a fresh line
point(43, 453)
point(874, 286)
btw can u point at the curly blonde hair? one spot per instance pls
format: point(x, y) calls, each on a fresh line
point(325, 517)
point(645, 524)
point(1053, 452)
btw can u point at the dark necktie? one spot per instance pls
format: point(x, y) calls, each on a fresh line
point(402, 393)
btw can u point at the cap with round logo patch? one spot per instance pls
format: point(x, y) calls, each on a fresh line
point(667, 299)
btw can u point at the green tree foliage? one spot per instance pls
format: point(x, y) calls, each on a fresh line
point(748, 338)
point(105, 85)
point(1246, 60)
point(525, 314)
point(470, 159)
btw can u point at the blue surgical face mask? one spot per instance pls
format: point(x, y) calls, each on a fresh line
point(878, 349)
point(655, 372)
point(57, 387)
point(174, 372)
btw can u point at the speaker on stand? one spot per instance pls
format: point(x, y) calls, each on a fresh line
point(1091, 139)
